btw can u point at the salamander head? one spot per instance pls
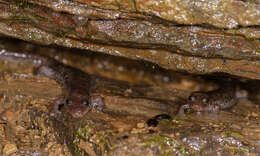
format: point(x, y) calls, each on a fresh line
point(198, 101)
point(79, 105)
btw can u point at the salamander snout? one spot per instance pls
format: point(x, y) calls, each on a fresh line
point(198, 101)
point(78, 108)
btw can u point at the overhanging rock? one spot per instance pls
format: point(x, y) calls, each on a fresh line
point(188, 38)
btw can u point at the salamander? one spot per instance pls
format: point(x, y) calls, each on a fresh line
point(77, 97)
point(212, 101)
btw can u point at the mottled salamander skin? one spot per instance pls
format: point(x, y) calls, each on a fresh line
point(212, 101)
point(77, 97)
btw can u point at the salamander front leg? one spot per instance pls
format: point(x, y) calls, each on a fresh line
point(97, 103)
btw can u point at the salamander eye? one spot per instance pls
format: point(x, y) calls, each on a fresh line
point(191, 98)
point(205, 100)
point(68, 101)
point(85, 102)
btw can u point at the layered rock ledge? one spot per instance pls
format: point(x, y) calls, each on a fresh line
point(199, 37)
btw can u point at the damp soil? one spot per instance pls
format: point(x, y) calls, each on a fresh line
point(138, 92)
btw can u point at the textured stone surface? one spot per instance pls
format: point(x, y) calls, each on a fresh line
point(121, 129)
point(218, 13)
point(26, 102)
point(185, 36)
point(192, 36)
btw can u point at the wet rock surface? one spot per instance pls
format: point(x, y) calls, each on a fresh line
point(27, 127)
point(199, 37)
point(217, 39)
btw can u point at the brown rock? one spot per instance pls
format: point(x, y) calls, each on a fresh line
point(9, 149)
point(158, 36)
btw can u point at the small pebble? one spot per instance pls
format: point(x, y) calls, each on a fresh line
point(128, 91)
point(254, 114)
point(140, 125)
point(9, 149)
